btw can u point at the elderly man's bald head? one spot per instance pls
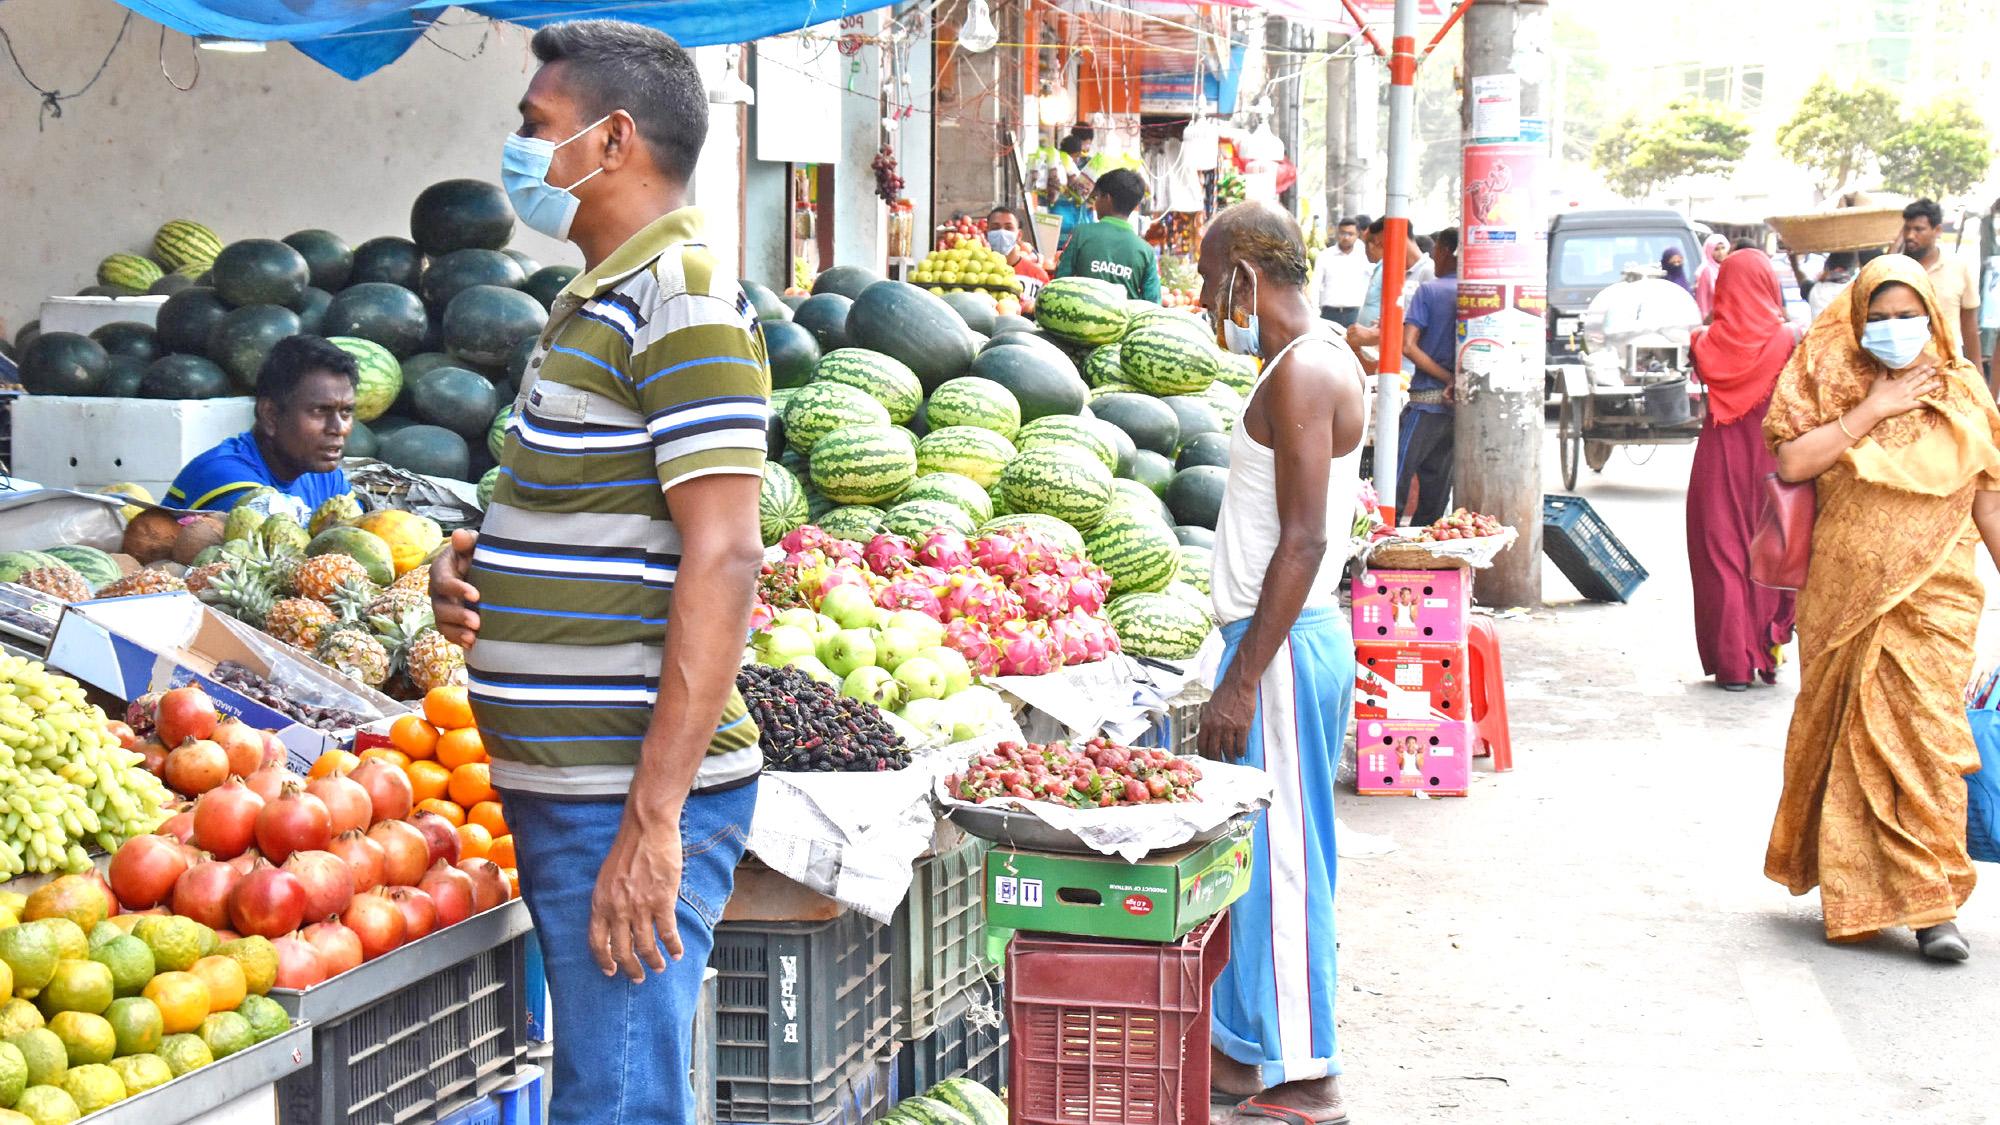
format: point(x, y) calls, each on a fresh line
point(1261, 234)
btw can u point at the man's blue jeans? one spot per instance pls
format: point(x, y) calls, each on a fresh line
point(622, 1050)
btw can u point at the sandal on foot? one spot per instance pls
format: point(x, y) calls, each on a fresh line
point(1252, 1109)
point(1943, 942)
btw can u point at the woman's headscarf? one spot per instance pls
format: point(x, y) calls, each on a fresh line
point(1831, 373)
point(1713, 253)
point(1676, 273)
point(1741, 352)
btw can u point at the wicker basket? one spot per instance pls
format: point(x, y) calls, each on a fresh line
point(1852, 228)
point(1411, 555)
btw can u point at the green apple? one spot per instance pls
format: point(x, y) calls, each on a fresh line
point(975, 711)
point(928, 629)
point(851, 606)
point(778, 644)
point(921, 678)
point(932, 717)
point(847, 650)
point(872, 685)
point(957, 673)
point(812, 666)
point(894, 645)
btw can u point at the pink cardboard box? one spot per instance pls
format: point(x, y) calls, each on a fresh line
point(1412, 605)
point(1405, 758)
point(1409, 681)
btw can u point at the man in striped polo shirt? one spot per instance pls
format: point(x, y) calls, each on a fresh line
point(610, 586)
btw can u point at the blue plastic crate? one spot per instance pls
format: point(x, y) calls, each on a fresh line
point(485, 1111)
point(519, 1100)
point(1582, 546)
point(863, 1096)
point(537, 986)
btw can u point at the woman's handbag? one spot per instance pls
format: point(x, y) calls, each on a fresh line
point(1982, 806)
point(1782, 547)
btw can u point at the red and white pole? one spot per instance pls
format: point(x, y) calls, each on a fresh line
point(1395, 255)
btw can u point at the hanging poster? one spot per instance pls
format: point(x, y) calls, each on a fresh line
point(1505, 237)
point(1500, 336)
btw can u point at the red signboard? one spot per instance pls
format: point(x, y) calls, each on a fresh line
point(1505, 237)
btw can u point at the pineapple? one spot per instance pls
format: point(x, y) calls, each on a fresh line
point(61, 582)
point(353, 599)
point(400, 599)
point(320, 575)
point(299, 622)
point(353, 651)
point(432, 661)
point(154, 580)
point(241, 591)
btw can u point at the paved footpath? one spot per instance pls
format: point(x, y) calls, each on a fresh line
point(1590, 938)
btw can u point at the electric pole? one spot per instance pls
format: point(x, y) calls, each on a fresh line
point(1503, 286)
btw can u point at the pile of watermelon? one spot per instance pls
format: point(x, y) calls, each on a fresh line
point(954, 1101)
point(440, 324)
point(1102, 426)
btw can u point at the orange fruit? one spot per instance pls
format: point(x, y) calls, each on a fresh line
point(473, 842)
point(332, 760)
point(513, 882)
point(487, 815)
point(225, 980)
point(450, 810)
point(471, 784)
point(502, 851)
point(460, 747)
point(413, 736)
point(392, 756)
point(448, 708)
point(182, 999)
point(427, 780)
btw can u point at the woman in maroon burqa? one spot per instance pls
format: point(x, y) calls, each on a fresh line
point(1740, 627)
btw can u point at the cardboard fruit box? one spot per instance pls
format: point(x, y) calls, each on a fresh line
point(1159, 898)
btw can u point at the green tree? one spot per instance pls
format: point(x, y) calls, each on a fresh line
point(1836, 132)
point(1691, 138)
point(1943, 150)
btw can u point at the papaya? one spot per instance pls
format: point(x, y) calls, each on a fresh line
point(364, 547)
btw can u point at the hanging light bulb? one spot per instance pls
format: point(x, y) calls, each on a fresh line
point(977, 34)
point(730, 89)
point(229, 46)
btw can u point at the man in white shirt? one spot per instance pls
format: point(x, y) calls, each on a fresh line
point(1340, 276)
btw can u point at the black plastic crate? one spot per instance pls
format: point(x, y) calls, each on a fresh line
point(864, 1093)
point(940, 936)
point(1583, 548)
point(800, 1007)
point(453, 1035)
point(970, 1042)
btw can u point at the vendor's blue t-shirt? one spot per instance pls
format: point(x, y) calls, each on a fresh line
point(1434, 313)
point(216, 480)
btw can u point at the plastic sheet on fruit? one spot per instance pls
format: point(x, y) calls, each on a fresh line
point(379, 486)
point(1132, 832)
point(33, 518)
point(1116, 694)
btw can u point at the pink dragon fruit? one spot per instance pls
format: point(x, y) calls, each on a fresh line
point(910, 593)
point(846, 550)
point(929, 575)
point(1086, 592)
point(945, 549)
point(760, 616)
point(837, 575)
point(802, 539)
point(888, 555)
point(1100, 638)
point(969, 639)
point(1069, 637)
point(1042, 595)
point(970, 593)
point(1024, 649)
point(1001, 554)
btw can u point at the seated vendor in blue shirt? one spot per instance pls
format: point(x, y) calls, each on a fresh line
point(305, 410)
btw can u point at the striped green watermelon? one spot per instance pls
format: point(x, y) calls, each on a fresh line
point(1135, 497)
point(180, 243)
point(954, 489)
point(1157, 625)
point(972, 401)
point(1103, 389)
point(781, 503)
point(1196, 565)
point(496, 434)
point(926, 1110)
point(488, 481)
point(381, 376)
point(976, 1102)
point(1227, 400)
point(1150, 313)
point(1101, 366)
point(817, 409)
point(1055, 532)
point(1186, 592)
point(97, 568)
point(970, 451)
point(816, 504)
point(863, 464)
point(999, 500)
point(887, 380)
point(1070, 431)
point(1237, 372)
point(1167, 357)
point(129, 270)
point(1069, 484)
point(1082, 309)
point(856, 522)
point(914, 519)
point(1136, 548)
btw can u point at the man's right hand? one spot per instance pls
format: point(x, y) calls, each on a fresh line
point(452, 597)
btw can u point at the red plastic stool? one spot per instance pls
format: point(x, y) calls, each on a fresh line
point(1486, 693)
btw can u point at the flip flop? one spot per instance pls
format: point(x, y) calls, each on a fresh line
point(1252, 1109)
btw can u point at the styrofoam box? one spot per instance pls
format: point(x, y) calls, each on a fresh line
point(69, 441)
point(86, 314)
point(258, 1107)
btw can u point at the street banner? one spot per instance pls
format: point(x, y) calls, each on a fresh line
point(1504, 238)
point(1500, 335)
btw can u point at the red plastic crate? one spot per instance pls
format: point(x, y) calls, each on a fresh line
point(1111, 1032)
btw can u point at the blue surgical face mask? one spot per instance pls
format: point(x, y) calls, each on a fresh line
point(1002, 241)
point(524, 170)
point(1897, 343)
point(1239, 338)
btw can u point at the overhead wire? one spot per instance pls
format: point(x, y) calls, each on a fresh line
point(53, 99)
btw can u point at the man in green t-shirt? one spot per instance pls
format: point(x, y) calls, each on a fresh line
point(1109, 249)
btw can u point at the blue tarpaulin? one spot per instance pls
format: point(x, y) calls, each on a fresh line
point(355, 38)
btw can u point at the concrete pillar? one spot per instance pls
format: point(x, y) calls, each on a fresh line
point(860, 234)
point(767, 212)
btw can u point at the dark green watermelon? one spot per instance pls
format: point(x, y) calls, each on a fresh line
point(329, 259)
point(547, 283)
point(361, 440)
point(108, 291)
point(976, 309)
point(774, 437)
point(848, 281)
point(484, 324)
point(184, 376)
point(1043, 383)
point(389, 315)
point(461, 401)
point(528, 265)
point(245, 337)
point(64, 363)
point(792, 301)
point(123, 376)
point(1007, 322)
point(26, 335)
point(903, 321)
point(260, 271)
point(387, 425)
point(459, 215)
point(1204, 449)
point(1195, 496)
point(1151, 423)
point(1191, 536)
point(764, 301)
point(422, 363)
point(431, 450)
point(1153, 471)
point(312, 311)
point(517, 360)
point(169, 284)
point(128, 338)
point(185, 319)
point(1122, 441)
point(394, 260)
point(460, 270)
point(825, 316)
point(1036, 340)
point(793, 353)
point(1197, 415)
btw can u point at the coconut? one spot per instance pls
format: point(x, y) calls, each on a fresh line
point(150, 535)
point(196, 532)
